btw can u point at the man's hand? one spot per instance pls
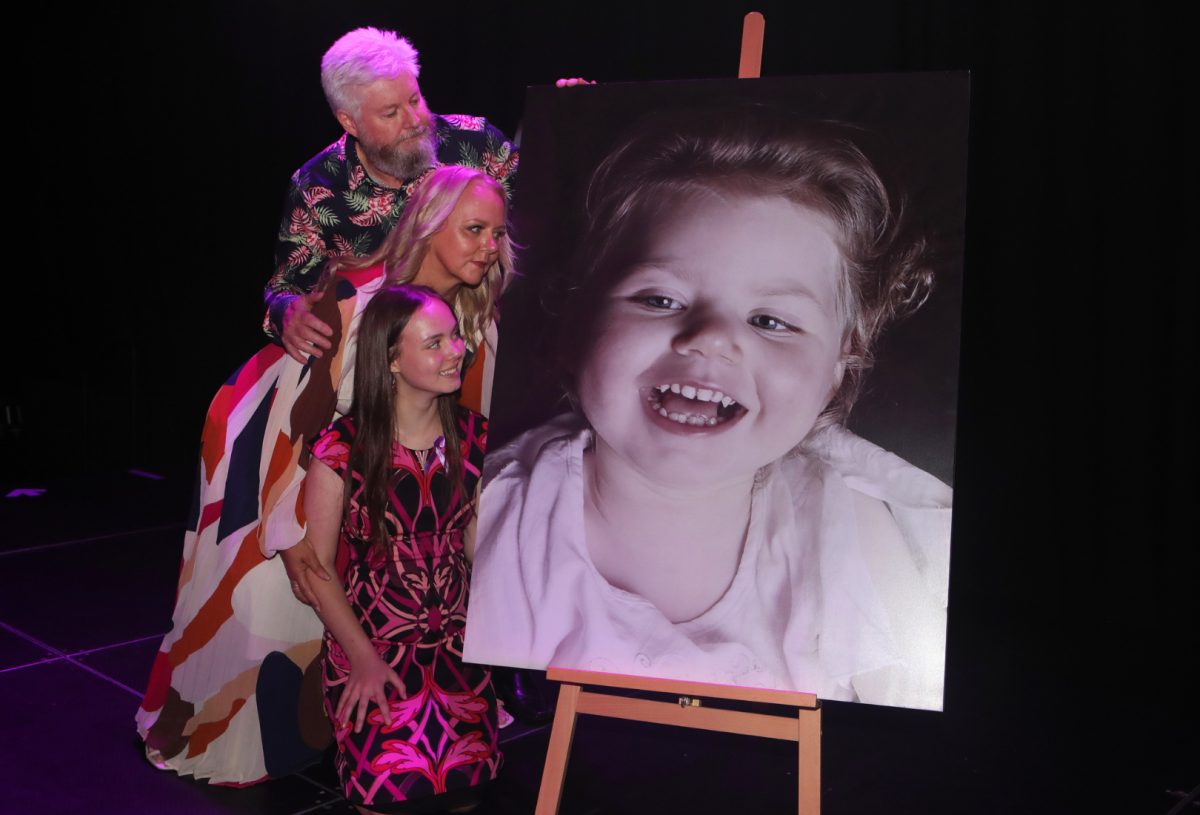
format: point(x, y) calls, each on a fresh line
point(303, 566)
point(571, 82)
point(304, 334)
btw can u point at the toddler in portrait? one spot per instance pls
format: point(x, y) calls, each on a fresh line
point(702, 513)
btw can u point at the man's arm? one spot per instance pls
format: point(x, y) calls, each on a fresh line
point(300, 252)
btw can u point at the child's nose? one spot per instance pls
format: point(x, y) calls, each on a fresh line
point(709, 334)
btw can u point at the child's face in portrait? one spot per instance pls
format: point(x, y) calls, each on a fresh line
point(718, 350)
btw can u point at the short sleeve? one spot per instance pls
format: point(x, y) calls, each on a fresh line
point(332, 445)
point(474, 428)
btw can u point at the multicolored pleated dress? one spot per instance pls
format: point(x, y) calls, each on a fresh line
point(235, 691)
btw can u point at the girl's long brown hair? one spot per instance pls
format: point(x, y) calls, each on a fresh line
point(383, 321)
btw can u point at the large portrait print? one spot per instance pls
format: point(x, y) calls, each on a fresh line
point(722, 433)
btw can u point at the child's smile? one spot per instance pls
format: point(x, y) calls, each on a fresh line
point(718, 350)
point(694, 406)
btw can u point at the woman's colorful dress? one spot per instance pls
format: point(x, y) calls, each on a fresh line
point(235, 691)
point(235, 694)
point(411, 599)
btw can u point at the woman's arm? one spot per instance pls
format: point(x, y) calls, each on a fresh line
point(369, 674)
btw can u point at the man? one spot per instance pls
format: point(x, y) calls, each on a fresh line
point(346, 199)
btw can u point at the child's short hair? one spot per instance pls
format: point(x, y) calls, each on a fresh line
point(753, 151)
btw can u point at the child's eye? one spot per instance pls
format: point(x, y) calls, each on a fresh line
point(658, 302)
point(769, 322)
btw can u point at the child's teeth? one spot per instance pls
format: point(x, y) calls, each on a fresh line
point(688, 392)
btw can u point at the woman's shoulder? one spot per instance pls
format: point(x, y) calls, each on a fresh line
point(332, 445)
point(473, 427)
point(343, 426)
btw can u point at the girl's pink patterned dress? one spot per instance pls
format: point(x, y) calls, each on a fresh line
point(412, 602)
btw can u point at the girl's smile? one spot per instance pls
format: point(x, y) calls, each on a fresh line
point(694, 406)
point(428, 354)
point(719, 349)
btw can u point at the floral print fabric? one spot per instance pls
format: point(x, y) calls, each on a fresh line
point(334, 208)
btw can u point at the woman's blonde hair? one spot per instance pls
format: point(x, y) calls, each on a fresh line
point(428, 208)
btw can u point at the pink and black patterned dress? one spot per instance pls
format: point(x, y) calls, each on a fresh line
point(412, 602)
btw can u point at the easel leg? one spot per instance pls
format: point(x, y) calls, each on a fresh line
point(809, 774)
point(562, 732)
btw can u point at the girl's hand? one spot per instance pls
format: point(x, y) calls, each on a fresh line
point(369, 676)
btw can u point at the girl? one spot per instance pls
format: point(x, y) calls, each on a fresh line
point(392, 486)
point(233, 694)
point(702, 514)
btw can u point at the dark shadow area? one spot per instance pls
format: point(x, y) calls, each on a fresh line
point(149, 170)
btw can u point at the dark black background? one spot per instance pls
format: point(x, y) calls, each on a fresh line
point(149, 146)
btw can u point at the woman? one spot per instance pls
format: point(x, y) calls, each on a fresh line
point(392, 490)
point(222, 698)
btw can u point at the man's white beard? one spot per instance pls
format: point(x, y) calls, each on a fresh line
point(404, 160)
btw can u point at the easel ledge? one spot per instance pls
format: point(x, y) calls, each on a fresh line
point(679, 687)
point(804, 728)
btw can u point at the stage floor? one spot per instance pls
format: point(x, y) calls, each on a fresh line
point(87, 579)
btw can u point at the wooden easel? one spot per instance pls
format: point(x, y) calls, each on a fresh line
point(689, 711)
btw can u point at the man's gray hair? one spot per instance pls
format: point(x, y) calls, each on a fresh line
point(361, 57)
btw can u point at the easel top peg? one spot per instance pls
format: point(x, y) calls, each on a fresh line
point(750, 64)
